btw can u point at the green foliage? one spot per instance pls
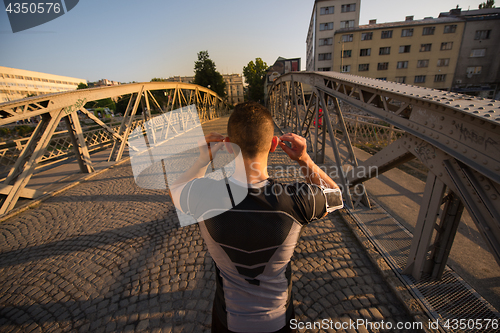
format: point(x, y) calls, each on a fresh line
point(255, 75)
point(82, 85)
point(206, 75)
point(158, 79)
point(102, 103)
point(487, 4)
point(23, 130)
point(4, 131)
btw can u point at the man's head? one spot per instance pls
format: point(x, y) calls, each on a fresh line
point(251, 127)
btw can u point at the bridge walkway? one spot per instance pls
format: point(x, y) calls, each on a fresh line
point(109, 256)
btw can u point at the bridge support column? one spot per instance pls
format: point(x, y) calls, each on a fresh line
point(426, 223)
point(78, 141)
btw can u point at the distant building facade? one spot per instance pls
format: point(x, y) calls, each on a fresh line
point(106, 83)
point(19, 83)
point(281, 66)
point(417, 52)
point(183, 79)
point(327, 17)
point(478, 67)
point(234, 88)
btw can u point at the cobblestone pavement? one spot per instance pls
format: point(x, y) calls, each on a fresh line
point(108, 256)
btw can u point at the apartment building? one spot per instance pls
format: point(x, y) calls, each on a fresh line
point(478, 67)
point(234, 88)
point(19, 83)
point(418, 52)
point(327, 17)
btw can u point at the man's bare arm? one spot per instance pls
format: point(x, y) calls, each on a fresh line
point(298, 152)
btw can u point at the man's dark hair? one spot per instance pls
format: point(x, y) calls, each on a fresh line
point(251, 127)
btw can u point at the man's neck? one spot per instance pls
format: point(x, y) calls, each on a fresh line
point(255, 169)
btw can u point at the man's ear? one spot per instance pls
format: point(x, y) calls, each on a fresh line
point(274, 144)
point(228, 145)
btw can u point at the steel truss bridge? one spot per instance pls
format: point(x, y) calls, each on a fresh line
point(456, 137)
point(66, 107)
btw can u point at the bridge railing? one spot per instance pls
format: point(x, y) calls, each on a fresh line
point(48, 143)
point(454, 136)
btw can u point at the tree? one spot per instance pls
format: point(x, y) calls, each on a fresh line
point(255, 74)
point(158, 79)
point(82, 85)
point(206, 75)
point(487, 4)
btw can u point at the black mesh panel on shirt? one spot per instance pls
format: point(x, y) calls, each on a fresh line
point(249, 231)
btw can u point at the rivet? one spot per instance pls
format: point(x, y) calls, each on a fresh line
point(431, 166)
point(475, 112)
point(425, 123)
point(442, 118)
point(471, 104)
point(465, 151)
point(453, 122)
point(440, 127)
point(480, 108)
point(447, 141)
point(487, 115)
point(440, 174)
point(474, 156)
point(456, 146)
point(423, 131)
point(466, 109)
point(487, 187)
point(433, 125)
point(485, 162)
point(437, 136)
point(493, 197)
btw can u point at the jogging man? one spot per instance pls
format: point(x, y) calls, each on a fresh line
point(252, 240)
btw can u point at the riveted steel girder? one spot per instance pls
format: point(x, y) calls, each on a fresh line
point(456, 136)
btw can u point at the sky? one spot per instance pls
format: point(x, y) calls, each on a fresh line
point(137, 40)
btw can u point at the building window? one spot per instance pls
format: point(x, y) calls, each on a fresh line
point(482, 34)
point(419, 78)
point(474, 70)
point(449, 29)
point(363, 67)
point(446, 46)
point(326, 10)
point(346, 53)
point(476, 53)
point(382, 66)
point(404, 49)
point(325, 41)
point(443, 62)
point(401, 79)
point(348, 8)
point(422, 63)
point(325, 56)
point(366, 35)
point(346, 68)
point(384, 50)
point(347, 24)
point(402, 64)
point(440, 78)
point(324, 69)
point(386, 34)
point(365, 52)
point(326, 26)
point(347, 38)
point(382, 78)
point(428, 31)
point(425, 47)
